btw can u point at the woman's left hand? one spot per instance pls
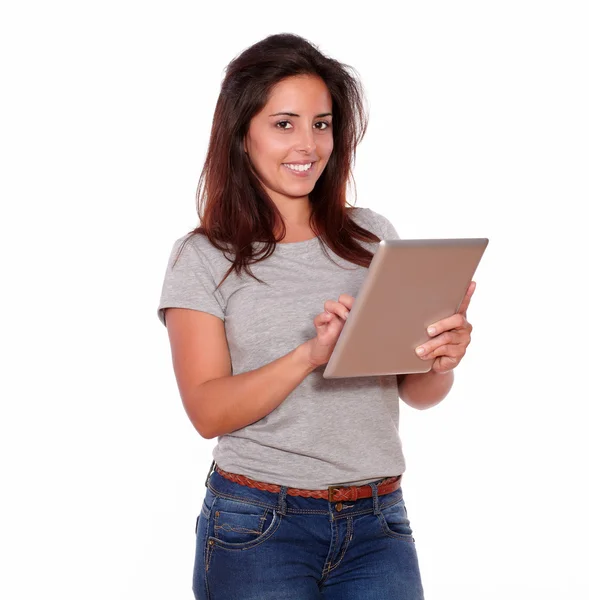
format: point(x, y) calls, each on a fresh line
point(450, 338)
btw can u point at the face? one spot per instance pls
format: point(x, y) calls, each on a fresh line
point(293, 131)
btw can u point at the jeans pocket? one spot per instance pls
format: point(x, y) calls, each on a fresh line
point(241, 525)
point(395, 522)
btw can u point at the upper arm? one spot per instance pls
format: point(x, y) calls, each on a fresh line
point(193, 310)
point(199, 350)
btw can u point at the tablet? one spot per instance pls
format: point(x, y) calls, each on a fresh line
point(410, 284)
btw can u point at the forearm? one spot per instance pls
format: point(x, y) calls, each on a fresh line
point(229, 403)
point(424, 390)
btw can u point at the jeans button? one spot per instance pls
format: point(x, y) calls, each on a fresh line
point(339, 506)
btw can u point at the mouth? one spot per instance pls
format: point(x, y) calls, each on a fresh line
point(300, 170)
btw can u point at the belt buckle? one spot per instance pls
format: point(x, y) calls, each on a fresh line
point(330, 491)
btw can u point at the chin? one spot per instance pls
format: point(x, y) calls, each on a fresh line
point(300, 191)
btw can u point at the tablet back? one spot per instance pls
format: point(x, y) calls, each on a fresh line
point(410, 284)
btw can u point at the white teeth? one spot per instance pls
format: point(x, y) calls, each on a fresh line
point(298, 167)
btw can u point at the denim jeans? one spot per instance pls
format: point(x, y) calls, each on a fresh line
point(258, 545)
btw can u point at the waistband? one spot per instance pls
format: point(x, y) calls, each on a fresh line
point(332, 493)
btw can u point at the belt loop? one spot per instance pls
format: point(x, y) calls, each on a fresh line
point(330, 491)
point(375, 502)
point(209, 474)
point(281, 500)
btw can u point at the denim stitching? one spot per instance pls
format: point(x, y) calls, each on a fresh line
point(208, 546)
point(227, 527)
point(263, 504)
point(366, 511)
point(258, 542)
point(205, 557)
point(240, 498)
point(405, 537)
point(391, 504)
point(263, 520)
point(396, 536)
point(346, 544)
point(327, 566)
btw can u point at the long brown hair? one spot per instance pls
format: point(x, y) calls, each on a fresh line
point(233, 207)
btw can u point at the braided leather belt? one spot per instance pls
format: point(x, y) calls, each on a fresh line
point(332, 493)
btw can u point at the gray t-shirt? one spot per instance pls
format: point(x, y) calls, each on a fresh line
point(327, 431)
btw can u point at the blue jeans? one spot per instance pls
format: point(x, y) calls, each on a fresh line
point(257, 545)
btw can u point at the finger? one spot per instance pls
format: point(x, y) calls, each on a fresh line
point(466, 300)
point(455, 351)
point(346, 300)
point(448, 337)
point(337, 308)
point(323, 319)
point(456, 321)
point(444, 364)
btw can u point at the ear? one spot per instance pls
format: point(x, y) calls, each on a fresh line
point(245, 144)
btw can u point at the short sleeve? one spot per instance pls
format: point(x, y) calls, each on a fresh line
point(384, 228)
point(390, 232)
point(189, 283)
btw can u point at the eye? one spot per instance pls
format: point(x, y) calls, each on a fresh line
point(279, 124)
point(327, 125)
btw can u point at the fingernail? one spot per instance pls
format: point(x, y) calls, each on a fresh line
point(431, 330)
point(420, 350)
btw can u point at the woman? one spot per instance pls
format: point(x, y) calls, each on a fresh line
point(304, 495)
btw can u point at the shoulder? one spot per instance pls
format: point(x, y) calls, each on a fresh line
point(366, 218)
point(184, 249)
point(197, 248)
point(376, 222)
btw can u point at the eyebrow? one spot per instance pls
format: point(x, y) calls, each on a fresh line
point(289, 114)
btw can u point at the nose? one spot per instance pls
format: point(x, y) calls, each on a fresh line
point(306, 141)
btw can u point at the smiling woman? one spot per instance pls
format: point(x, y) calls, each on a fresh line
point(301, 460)
point(289, 155)
point(283, 103)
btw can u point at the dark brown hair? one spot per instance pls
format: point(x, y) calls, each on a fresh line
point(233, 207)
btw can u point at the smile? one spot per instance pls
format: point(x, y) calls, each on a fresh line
point(299, 170)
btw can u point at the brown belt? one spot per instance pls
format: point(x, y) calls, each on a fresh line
point(332, 493)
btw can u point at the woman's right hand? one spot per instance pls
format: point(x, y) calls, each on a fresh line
point(329, 325)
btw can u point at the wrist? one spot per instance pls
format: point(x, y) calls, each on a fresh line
point(302, 357)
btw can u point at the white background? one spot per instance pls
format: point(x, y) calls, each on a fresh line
point(478, 127)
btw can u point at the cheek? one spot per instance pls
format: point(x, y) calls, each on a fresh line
point(269, 153)
point(325, 147)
